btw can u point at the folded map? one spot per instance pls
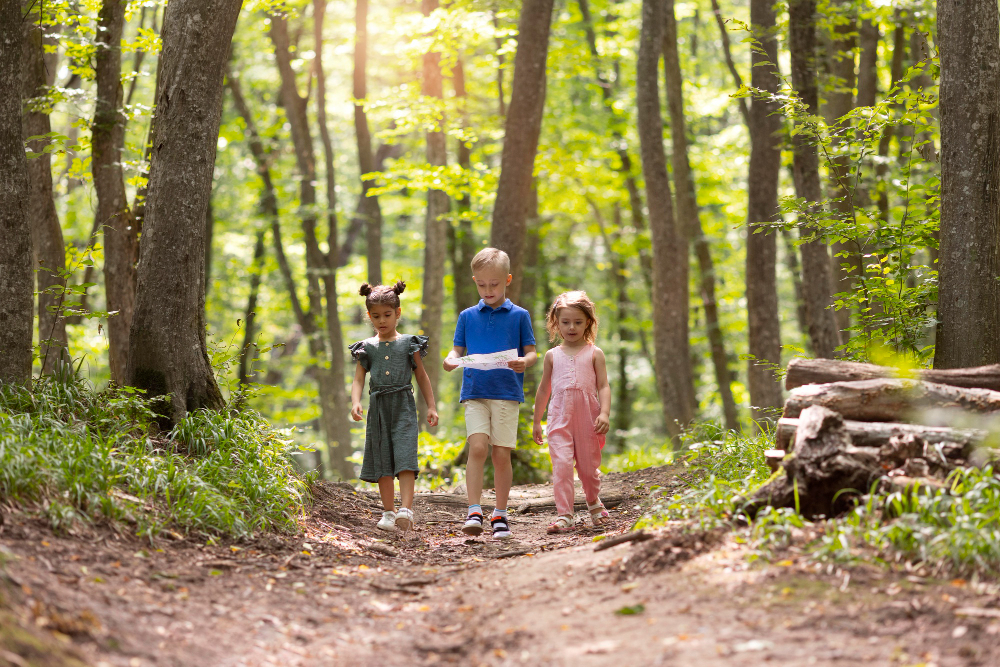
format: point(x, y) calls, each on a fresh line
point(486, 362)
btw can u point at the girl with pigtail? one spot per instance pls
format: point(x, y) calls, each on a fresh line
point(392, 358)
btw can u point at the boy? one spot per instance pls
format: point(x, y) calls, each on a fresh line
point(491, 397)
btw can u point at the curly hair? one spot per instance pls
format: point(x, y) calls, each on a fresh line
point(382, 295)
point(576, 299)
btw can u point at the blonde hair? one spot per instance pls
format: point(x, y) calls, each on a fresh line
point(493, 258)
point(577, 299)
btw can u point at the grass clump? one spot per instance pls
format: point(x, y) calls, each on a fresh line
point(77, 454)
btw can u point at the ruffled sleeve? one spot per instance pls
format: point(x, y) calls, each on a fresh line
point(418, 344)
point(360, 354)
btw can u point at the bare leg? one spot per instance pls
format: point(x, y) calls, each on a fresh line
point(503, 475)
point(407, 480)
point(478, 446)
point(387, 490)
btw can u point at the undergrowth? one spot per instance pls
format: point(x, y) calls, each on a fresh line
point(75, 454)
point(953, 530)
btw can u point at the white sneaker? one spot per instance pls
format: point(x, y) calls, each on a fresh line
point(388, 521)
point(404, 519)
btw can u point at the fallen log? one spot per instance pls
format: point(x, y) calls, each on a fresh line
point(887, 400)
point(580, 503)
point(956, 443)
point(826, 472)
point(635, 536)
point(822, 371)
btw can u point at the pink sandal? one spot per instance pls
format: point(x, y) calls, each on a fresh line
point(562, 524)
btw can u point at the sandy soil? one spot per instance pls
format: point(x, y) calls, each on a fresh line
point(342, 593)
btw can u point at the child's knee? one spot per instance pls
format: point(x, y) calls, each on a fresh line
point(478, 447)
point(501, 456)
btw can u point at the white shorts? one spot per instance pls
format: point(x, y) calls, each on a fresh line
point(495, 418)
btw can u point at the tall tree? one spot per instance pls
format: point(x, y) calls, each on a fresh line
point(839, 103)
point(46, 234)
point(521, 131)
point(435, 224)
point(670, 289)
point(167, 351)
point(689, 218)
point(369, 205)
point(462, 240)
point(121, 241)
point(817, 274)
point(318, 264)
point(16, 280)
point(968, 331)
point(765, 163)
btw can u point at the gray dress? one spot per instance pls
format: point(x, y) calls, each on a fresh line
point(391, 433)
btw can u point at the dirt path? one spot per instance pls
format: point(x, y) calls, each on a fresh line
point(345, 594)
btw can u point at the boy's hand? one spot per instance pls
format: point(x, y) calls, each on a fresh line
point(538, 434)
point(602, 424)
point(357, 412)
point(432, 417)
point(517, 365)
point(447, 365)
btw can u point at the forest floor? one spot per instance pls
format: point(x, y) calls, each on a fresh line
point(343, 593)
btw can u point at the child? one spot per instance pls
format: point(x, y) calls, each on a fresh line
point(576, 376)
point(391, 433)
point(491, 397)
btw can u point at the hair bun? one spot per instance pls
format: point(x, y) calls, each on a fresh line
point(399, 287)
point(365, 290)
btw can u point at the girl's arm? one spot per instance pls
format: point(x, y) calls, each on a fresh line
point(603, 422)
point(424, 382)
point(542, 398)
point(357, 412)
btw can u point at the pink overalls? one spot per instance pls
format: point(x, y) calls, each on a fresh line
point(572, 410)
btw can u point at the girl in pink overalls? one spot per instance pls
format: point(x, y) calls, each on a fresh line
point(576, 376)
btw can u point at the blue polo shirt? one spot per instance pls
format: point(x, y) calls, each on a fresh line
point(482, 330)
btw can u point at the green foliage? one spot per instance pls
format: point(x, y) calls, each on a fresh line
point(82, 455)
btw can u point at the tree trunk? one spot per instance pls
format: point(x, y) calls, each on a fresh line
point(370, 208)
point(167, 352)
point(121, 242)
point(727, 51)
point(247, 357)
point(875, 434)
point(209, 233)
point(669, 295)
point(762, 208)
point(464, 244)
point(817, 275)
point(968, 332)
point(896, 74)
point(436, 225)
point(793, 267)
point(16, 280)
point(689, 219)
point(840, 102)
point(521, 131)
point(46, 234)
point(338, 394)
point(821, 371)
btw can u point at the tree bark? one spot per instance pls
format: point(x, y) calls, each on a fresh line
point(895, 74)
point(167, 352)
point(840, 102)
point(464, 243)
point(369, 205)
point(246, 371)
point(762, 208)
point(821, 371)
point(16, 280)
point(875, 434)
point(669, 295)
point(338, 394)
point(890, 399)
point(689, 218)
point(121, 241)
point(968, 332)
point(817, 274)
point(46, 234)
point(522, 129)
point(435, 225)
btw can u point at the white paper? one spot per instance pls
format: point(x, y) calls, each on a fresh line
point(486, 362)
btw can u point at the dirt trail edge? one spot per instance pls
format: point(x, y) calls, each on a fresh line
point(342, 593)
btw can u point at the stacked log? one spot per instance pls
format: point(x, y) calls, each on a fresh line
point(850, 428)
